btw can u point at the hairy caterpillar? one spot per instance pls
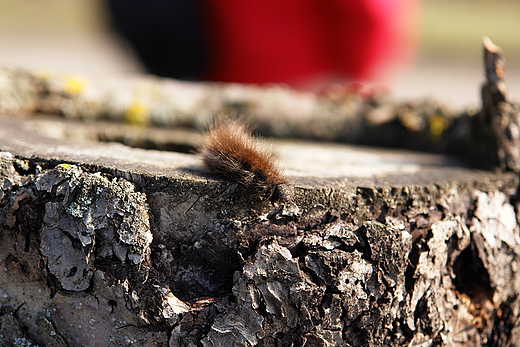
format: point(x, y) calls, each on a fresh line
point(231, 152)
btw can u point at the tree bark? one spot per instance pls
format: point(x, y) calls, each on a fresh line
point(103, 244)
point(108, 245)
point(339, 113)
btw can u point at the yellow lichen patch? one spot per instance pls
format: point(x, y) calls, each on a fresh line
point(74, 84)
point(137, 114)
point(438, 124)
point(64, 166)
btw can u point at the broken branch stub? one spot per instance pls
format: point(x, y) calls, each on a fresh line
point(496, 137)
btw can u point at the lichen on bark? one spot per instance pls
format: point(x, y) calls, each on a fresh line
point(90, 217)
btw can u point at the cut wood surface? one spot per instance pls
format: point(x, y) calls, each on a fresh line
point(104, 244)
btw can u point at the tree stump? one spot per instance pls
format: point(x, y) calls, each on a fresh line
point(107, 245)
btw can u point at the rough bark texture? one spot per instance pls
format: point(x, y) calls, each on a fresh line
point(339, 113)
point(106, 253)
point(105, 245)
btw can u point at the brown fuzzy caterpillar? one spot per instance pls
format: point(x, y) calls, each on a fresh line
point(231, 152)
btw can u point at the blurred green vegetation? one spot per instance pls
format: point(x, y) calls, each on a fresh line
point(53, 16)
point(453, 29)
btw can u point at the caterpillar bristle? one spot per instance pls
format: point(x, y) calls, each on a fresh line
point(231, 152)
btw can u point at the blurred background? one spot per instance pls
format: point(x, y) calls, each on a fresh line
point(424, 48)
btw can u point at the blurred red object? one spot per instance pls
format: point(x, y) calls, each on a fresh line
point(300, 41)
